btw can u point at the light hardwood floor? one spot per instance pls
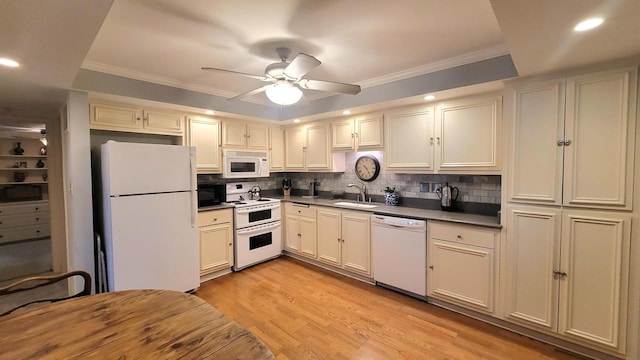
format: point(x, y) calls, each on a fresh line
point(303, 312)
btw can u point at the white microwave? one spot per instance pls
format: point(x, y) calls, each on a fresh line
point(244, 164)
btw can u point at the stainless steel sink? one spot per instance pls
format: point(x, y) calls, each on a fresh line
point(355, 205)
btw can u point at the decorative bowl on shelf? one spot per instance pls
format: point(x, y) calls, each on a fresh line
point(19, 176)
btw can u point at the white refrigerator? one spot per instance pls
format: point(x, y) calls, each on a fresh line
point(150, 210)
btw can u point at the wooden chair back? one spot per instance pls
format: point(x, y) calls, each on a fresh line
point(40, 281)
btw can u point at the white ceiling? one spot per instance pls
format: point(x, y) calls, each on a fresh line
point(365, 42)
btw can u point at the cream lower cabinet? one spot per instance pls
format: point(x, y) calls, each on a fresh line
point(567, 273)
point(344, 240)
point(462, 265)
point(204, 134)
point(300, 233)
point(216, 240)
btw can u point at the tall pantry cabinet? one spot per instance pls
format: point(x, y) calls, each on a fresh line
point(569, 205)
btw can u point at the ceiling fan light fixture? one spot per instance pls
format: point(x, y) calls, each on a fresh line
point(283, 93)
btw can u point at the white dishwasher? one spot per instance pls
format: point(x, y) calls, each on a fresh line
point(400, 253)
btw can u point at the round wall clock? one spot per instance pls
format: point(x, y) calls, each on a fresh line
point(367, 168)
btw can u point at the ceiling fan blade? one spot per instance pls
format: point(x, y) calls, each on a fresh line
point(329, 86)
point(261, 78)
point(301, 65)
point(250, 93)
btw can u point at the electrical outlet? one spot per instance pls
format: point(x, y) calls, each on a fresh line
point(436, 187)
point(424, 187)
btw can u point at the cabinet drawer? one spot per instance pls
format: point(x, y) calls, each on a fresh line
point(464, 234)
point(24, 233)
point(215, 217)
point(23, 219)
point(35, 207)
point(300, 209)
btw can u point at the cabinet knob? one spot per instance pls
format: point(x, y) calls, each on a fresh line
point(37, 231)
point(560, 142)
point(431, 267)
point(230, 244)
point(430, 141)
point(438, 140)
point(37, 219)
point(567, 142)
point(37, 208)
point(459, 236)
point(215, 219)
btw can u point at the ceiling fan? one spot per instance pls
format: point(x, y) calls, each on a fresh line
point(286, 79)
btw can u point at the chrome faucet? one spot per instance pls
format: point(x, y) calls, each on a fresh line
point(363, 191)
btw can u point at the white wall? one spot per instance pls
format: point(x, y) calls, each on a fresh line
point(77, 186)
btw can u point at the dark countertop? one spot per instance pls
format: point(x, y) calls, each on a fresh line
point(216, 207)
point(401, 211)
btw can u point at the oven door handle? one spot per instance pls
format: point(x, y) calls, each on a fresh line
point(250, 210)
point(258, 228)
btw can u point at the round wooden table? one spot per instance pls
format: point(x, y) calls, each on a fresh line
point(135, 324)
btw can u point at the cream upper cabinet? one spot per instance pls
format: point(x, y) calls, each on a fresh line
point(132, 118)
point(307, 148)
point(567, 272)
point(204, 135)
point(461, 136)
point(344, 240)
point(462, 266)
point(276, 149)
point(409, 135)
point(295, 146)
point(468, 135)
point(245, 135)
point(216, 240)
point(360, 133)
point(571, 140)
point(300, 232)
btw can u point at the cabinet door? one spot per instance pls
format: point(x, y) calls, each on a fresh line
point(342, 135)
point(600, 123)
point(164, 122)
point(276, 149)
point(216, 248)
point(329, 239)
point(356, 244)
point(369, 130)
point(469, 135)
point(292, 233)
point(535, 158)
point(461, 274)
point(295, 143)
point(308, 239)
point(234, 134)
point(532, 249)
point(593, 294)
point(410, 139)
point(317, 148)
point(110, 117)
point(204, 134)
point(257, 136)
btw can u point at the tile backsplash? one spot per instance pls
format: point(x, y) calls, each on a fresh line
point(483, 189)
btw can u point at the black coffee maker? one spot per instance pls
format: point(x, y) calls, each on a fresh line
point(286, 187)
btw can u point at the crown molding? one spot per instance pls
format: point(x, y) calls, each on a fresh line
point(464, 59)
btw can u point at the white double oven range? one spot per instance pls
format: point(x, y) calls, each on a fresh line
point(258, 233)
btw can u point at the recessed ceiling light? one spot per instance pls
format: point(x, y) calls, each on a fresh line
point(296, 120)
point(588, 24)
point(346, 112)
point(429, 97)
point(209, 112)
point(8, 62)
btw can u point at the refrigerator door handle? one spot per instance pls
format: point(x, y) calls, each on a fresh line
point(194, 194)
